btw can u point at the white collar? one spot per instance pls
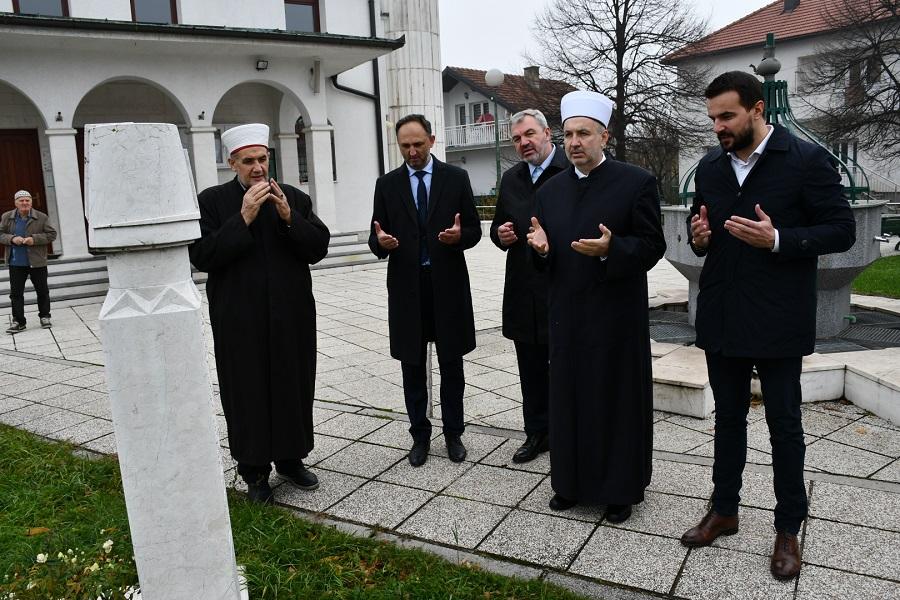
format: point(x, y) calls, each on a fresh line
point(759, 149)
point(427, 168)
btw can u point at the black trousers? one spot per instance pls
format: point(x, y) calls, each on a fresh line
point(780, 381)
point(17, 278)
point(534, 375)
point(415, 377)
point(253, 473)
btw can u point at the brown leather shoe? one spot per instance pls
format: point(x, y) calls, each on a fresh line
point(710, 527)
point(786, 556)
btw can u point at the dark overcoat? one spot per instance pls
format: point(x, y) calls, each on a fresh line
point(525, 287)
point(754, 302)
point(263, 319)
point(601, 387)
point(395, 210)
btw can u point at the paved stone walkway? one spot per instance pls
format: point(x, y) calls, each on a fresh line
point(489, 510)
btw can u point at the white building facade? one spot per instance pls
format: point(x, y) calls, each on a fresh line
point(206, 65)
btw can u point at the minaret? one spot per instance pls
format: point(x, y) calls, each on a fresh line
point(414, 71)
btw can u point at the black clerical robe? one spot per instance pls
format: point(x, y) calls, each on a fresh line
point(601, 387)
point(263, 318)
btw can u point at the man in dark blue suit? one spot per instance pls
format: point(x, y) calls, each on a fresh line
point(767, 205)
point(423, 219)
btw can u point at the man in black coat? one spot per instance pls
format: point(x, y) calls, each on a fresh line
point(257, 241)
point(598, 228)
point(423, 219)
point(767, 206)
point(525, 288)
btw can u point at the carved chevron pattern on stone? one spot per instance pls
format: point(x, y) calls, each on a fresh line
point(124, 303)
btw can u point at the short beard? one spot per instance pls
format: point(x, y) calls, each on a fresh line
point(739, 141)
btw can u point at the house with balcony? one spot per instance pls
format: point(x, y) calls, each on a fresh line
point(472, 126)
point(801, 29)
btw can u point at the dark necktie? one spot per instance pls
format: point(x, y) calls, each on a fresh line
point(422, 207)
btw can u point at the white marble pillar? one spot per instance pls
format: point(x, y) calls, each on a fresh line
point(321, 176)
point(289, 163)
point(156, 372)
point(67, 183)
point(203, 144)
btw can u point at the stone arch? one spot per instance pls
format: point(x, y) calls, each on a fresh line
point(152, 102)
point(24, 152)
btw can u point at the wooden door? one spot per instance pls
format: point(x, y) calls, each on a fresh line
point(20, 168)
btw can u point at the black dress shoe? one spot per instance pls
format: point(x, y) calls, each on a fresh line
point(260, 492)
point(534, 445)
point(455, 449)
point(618, 513)
point(557, 502)
point(418, 454)
point(300, 476)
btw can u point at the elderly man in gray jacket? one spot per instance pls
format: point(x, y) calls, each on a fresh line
point(26, 236)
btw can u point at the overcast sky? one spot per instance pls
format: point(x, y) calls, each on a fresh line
point(483, 34)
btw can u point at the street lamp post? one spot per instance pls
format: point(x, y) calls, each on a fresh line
point(494, 79)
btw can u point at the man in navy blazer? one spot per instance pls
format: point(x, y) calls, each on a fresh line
point(423, 219)
point(767, 205)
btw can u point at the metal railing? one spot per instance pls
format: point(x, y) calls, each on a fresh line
point(476, 134)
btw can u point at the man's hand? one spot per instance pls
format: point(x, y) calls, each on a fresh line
point(759, 234)
point(537, 237)
point(385, 240)
point(254, 197)
point(29, 241)
point(451, 236)
point(700, 231)
point(18, 240)
point(507, 234)
point(594, 246)
point(281, 203)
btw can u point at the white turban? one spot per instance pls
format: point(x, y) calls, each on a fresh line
point(244, 136)
point(586, 104)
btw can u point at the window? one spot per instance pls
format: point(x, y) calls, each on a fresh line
point(154, 11)
point(460, 114)
point(301, 15)
point(47, 8)
point(302, 162)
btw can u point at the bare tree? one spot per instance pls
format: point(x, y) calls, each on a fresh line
point(617, 47)
point(857, 75)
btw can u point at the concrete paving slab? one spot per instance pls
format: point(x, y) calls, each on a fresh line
point(434, 475)
point(664, 515)
point(333, 487)
point(325, 446)
point(85, 431)
point(26, 414)
point(105, 444)
point(350, 426)
point(820, 423)
point(717, 573)
point(363, 460)
point(539, 539)
point(681, 479)
point(859, 506)
point(631, 558)
point(538, 501)
point(379, 503)
point(832, 457)
point(670, 437)
point(889, 473)
point(817, 583)
point(8, 404)
point(756, 533)
point(869, 437)
point(494, 485)
point(50, 424)
point(861, 550)
point(454, 521)
point(502, 457)
point(478, 445)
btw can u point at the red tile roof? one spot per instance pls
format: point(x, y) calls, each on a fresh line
point(809, 18)
point(514, 93)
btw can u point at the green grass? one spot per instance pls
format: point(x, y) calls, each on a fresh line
point(882, 278)
point(80, 504)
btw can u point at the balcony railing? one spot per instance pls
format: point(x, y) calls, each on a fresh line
point(476, 134)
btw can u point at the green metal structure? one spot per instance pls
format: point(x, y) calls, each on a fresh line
point(778, 111)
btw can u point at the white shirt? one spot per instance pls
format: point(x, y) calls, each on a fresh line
point(742, 168)
point(414, 181)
